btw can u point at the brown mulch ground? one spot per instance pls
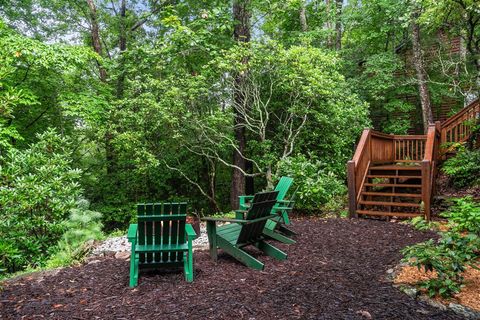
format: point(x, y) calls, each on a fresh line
point(335, 271)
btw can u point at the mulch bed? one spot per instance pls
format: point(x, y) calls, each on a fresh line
point(335, 271)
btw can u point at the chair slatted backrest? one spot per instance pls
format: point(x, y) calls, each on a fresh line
point(261, 207)
point(161, 224)
point(282, 187)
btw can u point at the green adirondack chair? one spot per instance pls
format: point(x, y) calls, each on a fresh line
point(239, 233)
point(161, 238)
point(275, 228)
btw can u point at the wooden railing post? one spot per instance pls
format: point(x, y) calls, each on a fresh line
point(426, 195)
point(352, 194)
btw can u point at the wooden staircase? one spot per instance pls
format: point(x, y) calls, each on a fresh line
point(392, 190)
point(394, 175)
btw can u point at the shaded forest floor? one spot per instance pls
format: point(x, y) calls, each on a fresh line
point(335, 271)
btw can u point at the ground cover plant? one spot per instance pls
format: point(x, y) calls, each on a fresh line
point(450, 255)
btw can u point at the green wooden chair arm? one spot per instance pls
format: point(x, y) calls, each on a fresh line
point(286, 201)
point(240, 214)
point(191, 234)
point(240, 221)
point(246, 197)
point(132, 232)
point(283, 208)
point(223, 220)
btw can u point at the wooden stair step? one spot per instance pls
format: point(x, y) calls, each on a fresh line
point(390, 194)
point(395, 167)
point(390, 204)
point(390, 214)
point(393, 185)
point(392, 176)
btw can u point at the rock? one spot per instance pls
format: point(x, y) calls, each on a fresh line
point(123, 255)
point(390, 271)
point(423, 311)
point(364, 313)
point(93, 261)
point(464, 311)
point(433, 303)
point(412, 292)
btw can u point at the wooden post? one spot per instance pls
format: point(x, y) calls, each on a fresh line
point(426, 196)
point(352, 194)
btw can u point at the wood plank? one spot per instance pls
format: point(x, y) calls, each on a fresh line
point(390, 194)
point(181, 228)
point(392, 176)
point(157, 231)
point(174, 231)
point(393, 185)
point(167, 210)
point(149, 230)
point(390, 214)
point(141, 230)
point(395, 167)
point(392, 204)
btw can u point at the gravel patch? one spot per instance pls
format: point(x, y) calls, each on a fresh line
point(114, 245)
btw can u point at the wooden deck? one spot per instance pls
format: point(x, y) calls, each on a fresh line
point(394, 175)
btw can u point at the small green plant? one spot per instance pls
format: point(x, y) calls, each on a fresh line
point(228, 215)
point(463, 169)
point(83, 226)
point(464, 215)
point(448, 257)
point(421, 224)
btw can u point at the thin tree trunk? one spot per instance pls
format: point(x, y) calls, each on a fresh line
point(421, 74)
point(338, 24)
point(303, 17)
point(241, 33)
point(328, 23)
point(95, 34)
point(122, 45)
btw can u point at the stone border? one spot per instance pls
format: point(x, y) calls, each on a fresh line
point(414, 293)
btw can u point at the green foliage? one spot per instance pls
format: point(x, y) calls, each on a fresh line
point(463, 168)
point(448, 257)
point(38, 189)
point(317, 185)
point(83, 226)
point(421, 224)
point(464, 215)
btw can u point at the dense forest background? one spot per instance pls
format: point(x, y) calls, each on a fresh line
point(104, 104)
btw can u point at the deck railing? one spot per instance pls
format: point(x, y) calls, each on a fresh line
point(429, 166)
point(459, 127)
point(378, 147)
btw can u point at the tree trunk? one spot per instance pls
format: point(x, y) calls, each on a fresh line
point(122, 45)
point(303, 17)
point(328, 23)
point(421, 74)
point(338, 24)
point(241, 33)
point(95, 34)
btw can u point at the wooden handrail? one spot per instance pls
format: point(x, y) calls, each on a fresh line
point(457, 128)
point(362, 144)
point(462, 112)
point(429, 144)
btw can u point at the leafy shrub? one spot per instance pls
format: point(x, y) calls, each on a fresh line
point(82, 226)
point(448, 257)
point(464, 215)
point(421, 224)
point(317, 185)
point(38, 188)
point(463, 169)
